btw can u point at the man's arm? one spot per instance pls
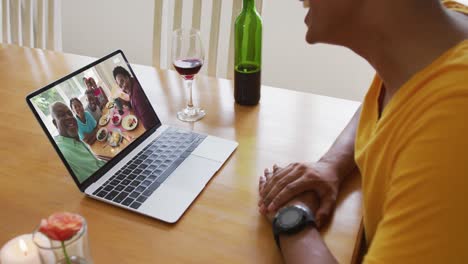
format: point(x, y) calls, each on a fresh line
point(323, 177)
point(341, 154)
point(306, 246)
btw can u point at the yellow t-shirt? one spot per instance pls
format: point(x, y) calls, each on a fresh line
point(414, 165)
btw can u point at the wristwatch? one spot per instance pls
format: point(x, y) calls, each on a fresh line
point(291, 220)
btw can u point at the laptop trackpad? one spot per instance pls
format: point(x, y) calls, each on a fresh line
point(193, 173)
point(171, 199)
point(215, 148)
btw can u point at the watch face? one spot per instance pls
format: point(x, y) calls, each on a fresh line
point(289, 218)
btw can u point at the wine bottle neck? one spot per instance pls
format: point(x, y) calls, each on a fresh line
point(248, 5)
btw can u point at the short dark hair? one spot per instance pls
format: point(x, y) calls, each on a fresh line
point(73, 100)
point(120, 70)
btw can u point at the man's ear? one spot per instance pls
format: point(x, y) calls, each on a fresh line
point(54, 122)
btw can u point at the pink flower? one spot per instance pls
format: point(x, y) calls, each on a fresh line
point(61, 226)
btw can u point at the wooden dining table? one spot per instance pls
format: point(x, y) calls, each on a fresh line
point(223, 224)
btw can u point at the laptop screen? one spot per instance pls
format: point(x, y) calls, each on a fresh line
point(94, 114)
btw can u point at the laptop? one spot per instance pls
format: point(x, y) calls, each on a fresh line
point(113, 144)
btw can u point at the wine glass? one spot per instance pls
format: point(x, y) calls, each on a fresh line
point(188, 57)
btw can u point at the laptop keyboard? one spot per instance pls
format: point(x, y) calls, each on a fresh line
point(143, 174)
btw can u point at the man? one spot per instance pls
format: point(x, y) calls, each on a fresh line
point(408, 139)
point(79, 157)
point(142, 107)
point(93, 106)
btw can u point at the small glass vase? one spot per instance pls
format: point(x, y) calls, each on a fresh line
point(72, 251)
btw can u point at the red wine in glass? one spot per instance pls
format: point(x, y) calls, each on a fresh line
point(187, 58)
point(187, 68)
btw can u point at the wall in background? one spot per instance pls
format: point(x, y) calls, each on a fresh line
point(290, 62)
point(95, 28)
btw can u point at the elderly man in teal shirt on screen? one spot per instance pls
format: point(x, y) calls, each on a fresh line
point(78, 156)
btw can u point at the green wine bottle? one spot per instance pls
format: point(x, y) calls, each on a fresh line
point(247, 55)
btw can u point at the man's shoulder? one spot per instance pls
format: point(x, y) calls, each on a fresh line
point(63, 141)
point(445, 78)
point(137, 89)
point(60, 140)
point(65, 145)
point(458, 55)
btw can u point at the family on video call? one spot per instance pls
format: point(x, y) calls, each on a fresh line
point(95, 127)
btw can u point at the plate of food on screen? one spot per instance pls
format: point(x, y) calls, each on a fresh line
point(104, 120)
point(101, 135)
point(129, 122)
point(109, 105)
point(116, 118)
point(114, 138)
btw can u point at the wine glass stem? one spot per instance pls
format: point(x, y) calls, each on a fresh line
point(188, 84)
